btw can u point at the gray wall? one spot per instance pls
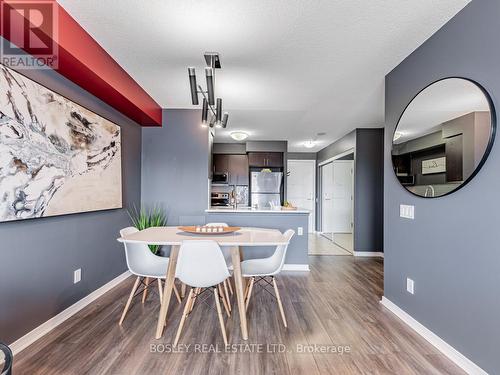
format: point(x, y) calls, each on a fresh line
point(451, 249)
point(344, 144)
point(229, 148)
point(267, 146)
point(368, 145)
point(175, 166)
point(301, 156)
point(38, 257)
point(297, 250)
point(369, 190)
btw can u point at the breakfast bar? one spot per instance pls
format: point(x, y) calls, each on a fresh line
point(282, 220)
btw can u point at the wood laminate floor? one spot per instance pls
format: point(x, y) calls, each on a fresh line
point(335, 307)
point(320, 245)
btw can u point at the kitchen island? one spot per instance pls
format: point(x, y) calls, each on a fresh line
point(297, 255)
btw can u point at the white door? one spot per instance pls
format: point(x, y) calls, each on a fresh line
point(342, 196)
point(301, 187)
point(327, 198)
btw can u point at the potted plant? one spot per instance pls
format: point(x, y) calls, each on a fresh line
point(146, 218)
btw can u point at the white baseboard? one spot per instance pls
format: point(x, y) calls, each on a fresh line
point(29, 338)
point(458, 358)
point(369, 254)
point(296, 267)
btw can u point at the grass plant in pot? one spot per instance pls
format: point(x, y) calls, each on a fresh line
point(149, 217)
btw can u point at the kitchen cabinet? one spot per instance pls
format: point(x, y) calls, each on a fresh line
point(454, 158)
point(265, 159)
point(235, 165)
point(238, 170)
point(221, 163)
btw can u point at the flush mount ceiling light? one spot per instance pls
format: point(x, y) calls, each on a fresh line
point(239, 136)
point(309, 144)
point(217, 118)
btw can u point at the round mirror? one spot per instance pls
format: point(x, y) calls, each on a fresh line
point(443, 137)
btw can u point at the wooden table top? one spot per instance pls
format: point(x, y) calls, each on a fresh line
point(174, 236)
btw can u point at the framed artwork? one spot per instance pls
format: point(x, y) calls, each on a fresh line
point(437, 165)
point(56, 157)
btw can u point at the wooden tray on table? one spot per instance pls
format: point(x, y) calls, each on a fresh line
point(209, 230)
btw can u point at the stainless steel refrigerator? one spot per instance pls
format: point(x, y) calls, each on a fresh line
point(265, 188)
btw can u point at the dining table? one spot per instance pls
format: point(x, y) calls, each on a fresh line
point(174, 236)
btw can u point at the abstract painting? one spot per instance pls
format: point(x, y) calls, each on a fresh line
point(56, 157)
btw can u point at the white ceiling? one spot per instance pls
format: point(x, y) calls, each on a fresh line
point(442, 101)
point(290, 69)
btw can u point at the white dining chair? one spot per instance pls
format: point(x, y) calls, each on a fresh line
point(226, 251)
point(145, 265)
point(259, 270)
point(201, 265)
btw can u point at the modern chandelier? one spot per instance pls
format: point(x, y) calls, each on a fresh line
point(217, 118)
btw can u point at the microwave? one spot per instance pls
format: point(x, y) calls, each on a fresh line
point(220, 178)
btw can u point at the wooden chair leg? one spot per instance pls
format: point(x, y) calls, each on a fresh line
point(247, 286)
point(196, 292)
point(184, 315)
point(183, 290)
point(127, 305)
point(280, 305)
point(252, 281)
point(160, 290)
point(145, 293)
point(227, 295)
point(223, 297)
point(177, 295)
point(219, 313)
point(230, 285)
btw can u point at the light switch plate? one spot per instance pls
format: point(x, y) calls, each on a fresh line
point(410, 286)
point(77, 276)
point(300, 231)
point(407, 211)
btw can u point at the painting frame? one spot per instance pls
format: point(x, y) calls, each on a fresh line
point(116, 158)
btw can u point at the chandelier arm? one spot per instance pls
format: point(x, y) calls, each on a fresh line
point(206, 98)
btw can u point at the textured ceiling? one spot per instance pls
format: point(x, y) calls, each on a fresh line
point(290, 69)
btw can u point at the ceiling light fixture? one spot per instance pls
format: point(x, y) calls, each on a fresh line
point(224, 119)
point(238, 136)
point(204, 113)
point(309, 144)
point(217, 118)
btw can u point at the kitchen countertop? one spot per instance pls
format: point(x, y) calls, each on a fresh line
point(255, 210)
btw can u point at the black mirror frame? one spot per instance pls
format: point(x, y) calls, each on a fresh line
point(486, 151)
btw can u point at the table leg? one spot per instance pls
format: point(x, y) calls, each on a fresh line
point(238, 281)
point(167, 291)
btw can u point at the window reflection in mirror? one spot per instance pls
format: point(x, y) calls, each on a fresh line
point(443, 137)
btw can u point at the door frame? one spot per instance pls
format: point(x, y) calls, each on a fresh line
point(313, 164)
point(320, 193)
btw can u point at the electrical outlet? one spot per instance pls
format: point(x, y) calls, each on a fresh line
point(410, 286)
point(77, 276)
point(406, 211)
point(300, 231)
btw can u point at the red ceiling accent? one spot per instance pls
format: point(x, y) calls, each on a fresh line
point(86, 63)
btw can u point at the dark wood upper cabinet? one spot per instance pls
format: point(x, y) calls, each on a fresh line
point(221, 163)
point(454, 158)
point(265, 159)
point(275, 159)
point(235, 165)
point(238, 170)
